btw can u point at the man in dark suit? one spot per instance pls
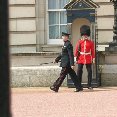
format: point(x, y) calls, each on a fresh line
point(67, 64)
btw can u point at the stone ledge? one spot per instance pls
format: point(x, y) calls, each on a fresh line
point(109, 69)
point(109, 75)
point(109, 79)
point(52, 48)
point(35, 53)
point(43, 76)
point(11, 2)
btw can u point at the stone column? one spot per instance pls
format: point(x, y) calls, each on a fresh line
point(113, 44)
point(109, 72)
point(40, 23)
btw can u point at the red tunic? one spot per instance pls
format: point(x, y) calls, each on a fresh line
point(87, 52)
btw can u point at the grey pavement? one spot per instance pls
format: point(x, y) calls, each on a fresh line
point(41, 102)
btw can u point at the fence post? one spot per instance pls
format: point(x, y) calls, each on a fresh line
point(4, 61)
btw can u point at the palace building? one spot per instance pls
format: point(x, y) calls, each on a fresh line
point(36, 26)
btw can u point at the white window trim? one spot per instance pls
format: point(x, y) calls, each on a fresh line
point(53, 41)
point(58, 24)
point(56, 9)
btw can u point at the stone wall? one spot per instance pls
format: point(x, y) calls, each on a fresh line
point(105, 21)
point(22, 21)
point(29, 24)
point(109, 75)
point(43, 76)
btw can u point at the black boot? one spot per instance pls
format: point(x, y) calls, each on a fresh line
point(55, 89)
point(79, 89)
point(90, 88)
point(57, 84)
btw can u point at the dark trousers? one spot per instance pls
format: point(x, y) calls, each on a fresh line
point(64, 72)
point(80, 71)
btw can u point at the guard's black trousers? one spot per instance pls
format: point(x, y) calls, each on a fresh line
point(64, 72)
point(80, 71)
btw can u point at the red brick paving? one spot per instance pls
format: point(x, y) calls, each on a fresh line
point(41, 102)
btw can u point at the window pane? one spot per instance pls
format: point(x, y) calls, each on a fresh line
point(63, 28)
point(53, 4)
point(63, 17)
point(53, 32)
point(62, 3)
point(53, 17)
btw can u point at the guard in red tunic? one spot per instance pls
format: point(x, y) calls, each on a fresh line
point(85, 54)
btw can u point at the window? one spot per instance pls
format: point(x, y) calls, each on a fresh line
point(57, 18)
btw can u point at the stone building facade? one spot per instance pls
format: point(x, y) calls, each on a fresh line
point(29, 24)
point(35, 29)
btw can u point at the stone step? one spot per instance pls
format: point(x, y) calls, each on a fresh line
point(22, 49)
point(51, 48)
point(33, 59)
point(35, 53)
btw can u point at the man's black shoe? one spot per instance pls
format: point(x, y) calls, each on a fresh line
point(78, 90)
point(90, 88)
point(54, 89)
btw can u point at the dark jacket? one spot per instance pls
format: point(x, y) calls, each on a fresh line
point(67, 57)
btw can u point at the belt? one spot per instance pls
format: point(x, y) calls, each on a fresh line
point(85, 53)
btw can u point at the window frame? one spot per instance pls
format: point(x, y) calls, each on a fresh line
point(54, 41)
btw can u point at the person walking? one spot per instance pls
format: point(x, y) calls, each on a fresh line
point(67, 64)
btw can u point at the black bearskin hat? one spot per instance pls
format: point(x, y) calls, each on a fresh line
point(85, 30)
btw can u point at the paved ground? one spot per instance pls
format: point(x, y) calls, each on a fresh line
point(41, 102)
